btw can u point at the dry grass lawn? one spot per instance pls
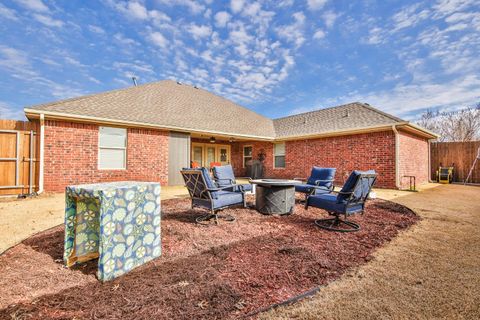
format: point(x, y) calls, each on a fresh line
point(432, 271)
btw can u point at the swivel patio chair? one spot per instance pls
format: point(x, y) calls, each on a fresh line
point(224, 177)
point(349, 200)
point(320, 181)
point(205, 194)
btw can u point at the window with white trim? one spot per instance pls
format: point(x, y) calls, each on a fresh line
point(247, 155)
point(112, 148)
point(279, 155)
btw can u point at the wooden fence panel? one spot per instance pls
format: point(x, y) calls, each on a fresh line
point(19, 155)
point(459, 154)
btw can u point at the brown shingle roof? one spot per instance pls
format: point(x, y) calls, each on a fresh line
point(346, 117)
point(168, 104)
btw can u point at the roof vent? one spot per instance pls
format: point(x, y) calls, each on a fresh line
point(304, 120)
point(179, 83)
point(346, 114)
point(195, 87)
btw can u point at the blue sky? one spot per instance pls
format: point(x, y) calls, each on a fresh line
point(275, 57)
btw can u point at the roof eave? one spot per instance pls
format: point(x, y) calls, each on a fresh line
point(344, 132)
point(418, 130)
point(35, 114)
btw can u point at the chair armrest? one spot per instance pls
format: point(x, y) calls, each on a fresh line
point(343, 192)
point(300, 179)
point(231, 181)
point(318, 181)
point(223, 188)
point(312, 191)
point(247, 178)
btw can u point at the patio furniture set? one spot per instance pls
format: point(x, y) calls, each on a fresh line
point(119, 222)
point(277, 196)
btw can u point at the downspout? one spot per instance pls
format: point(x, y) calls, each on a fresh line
point(42, 146)
point(430, 160)
point(397, 157)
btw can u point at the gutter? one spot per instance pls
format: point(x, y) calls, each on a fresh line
point(397, 157)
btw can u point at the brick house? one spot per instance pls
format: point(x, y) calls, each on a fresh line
point(149, 132)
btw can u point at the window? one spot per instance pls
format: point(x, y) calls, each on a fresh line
point(112, 148)
point(247, 155)
point(279, 155)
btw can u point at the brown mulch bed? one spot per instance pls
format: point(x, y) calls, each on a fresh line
point(213, 272)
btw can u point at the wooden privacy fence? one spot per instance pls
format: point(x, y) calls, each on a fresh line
point(460, 154)
point(19, 156)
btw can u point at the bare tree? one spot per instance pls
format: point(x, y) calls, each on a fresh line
point(461, 125)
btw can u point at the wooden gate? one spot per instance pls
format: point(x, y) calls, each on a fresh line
point(19, 156)
point(459, 154)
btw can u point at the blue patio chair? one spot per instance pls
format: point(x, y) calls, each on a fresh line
point(320, 181)
point(206, 194)
point(224, 177)
point(349, 200)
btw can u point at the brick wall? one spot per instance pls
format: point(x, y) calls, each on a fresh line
point(413, 159)
point(346, 153)
point(71, 156)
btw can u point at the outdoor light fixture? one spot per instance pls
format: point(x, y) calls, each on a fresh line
point(212, 140)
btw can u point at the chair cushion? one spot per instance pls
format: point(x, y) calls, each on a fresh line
point(329, 203)
point(209, 182)
point(224, 175)
point(227, 198)
point(351, 182)
point(322, 174)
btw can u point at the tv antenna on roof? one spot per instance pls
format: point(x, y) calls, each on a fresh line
point(473, 165)
point(134, 79)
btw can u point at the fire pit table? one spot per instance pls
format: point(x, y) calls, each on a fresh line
point(116, 222)
point(274, 196)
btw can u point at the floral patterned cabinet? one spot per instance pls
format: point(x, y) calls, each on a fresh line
point(117, 222)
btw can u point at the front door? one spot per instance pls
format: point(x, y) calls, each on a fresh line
point(205, 153)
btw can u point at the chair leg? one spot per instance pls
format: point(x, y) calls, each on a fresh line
point(212, 216)
point(335, 224)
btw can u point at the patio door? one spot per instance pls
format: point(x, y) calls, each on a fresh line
point(178, 157)
point(205, 153)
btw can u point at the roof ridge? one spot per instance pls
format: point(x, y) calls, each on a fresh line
point(317, 110)
point(54, 103)
point(369, 107)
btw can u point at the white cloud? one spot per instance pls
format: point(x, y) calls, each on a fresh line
point(294, 32)
point(137, 10)
point(122, 40)
point(194, 6)
point(35, 5)
point(222, 18)
point(158, 39)
point(285, 3)
point(410, 16)
point(329, 18)
point(8, 13)
point(96, 29)
point(48, 21)
point(319, 34)
point(236, 5)
point(316, 4)
point(8, 112)
point(199, 31)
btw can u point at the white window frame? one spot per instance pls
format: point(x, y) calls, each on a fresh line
point(244, 156)
point(279, 155)
point(100, 147)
